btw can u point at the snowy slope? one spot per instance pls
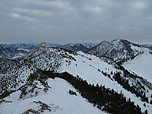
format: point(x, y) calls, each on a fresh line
point(87, 67)
point(141, 65)
point(57, 98)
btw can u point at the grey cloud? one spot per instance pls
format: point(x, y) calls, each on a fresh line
point(63, 21)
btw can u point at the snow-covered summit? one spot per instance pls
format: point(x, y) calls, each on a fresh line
point(43, 45)
point(118, 50)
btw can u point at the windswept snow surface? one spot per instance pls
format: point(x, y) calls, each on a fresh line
point(141, 65)
point(57, 97)
point(89, 67)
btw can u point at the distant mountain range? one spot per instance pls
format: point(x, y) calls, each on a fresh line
point(75, 47)
point(18, 50)
point(110, 78)
point(13, 52)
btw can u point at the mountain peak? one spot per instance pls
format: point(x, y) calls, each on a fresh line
point(120, 41)
point(118, 50)
point(104, 42)
point(43, 45)
point(115, 42)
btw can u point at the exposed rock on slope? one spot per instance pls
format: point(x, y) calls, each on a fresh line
point(77, 64)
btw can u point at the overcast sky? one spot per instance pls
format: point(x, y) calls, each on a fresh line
point(65, 21)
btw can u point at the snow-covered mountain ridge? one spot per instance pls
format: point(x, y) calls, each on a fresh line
point(118, 50)
point(78, 64)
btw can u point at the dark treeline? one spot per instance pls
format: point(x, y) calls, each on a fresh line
point(101, 97)
point(137, 88)
point(125, 84)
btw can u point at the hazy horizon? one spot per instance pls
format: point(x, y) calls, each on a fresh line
point(37, 43)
